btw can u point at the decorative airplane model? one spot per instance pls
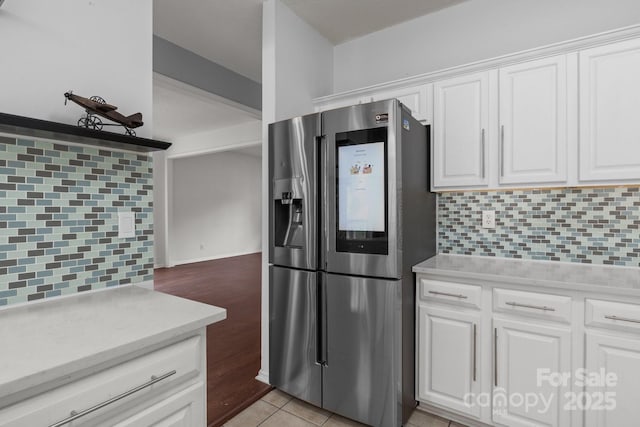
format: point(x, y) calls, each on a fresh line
point(96, 106)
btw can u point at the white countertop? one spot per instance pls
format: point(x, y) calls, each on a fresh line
point(45, 341)
point(548, 274)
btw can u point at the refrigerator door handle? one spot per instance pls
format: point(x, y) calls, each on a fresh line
point(322, 321)
point(323, 213)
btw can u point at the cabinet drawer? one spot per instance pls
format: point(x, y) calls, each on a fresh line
point(449, 292)
point(612, 315)
point(185, 358)
point(534, 304)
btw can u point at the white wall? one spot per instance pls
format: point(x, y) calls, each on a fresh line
point(221, 139)
point(160, 207)
point(472, 31)
point(304, 64)
point(93, 47)
point(297, 66)
point(216, 207)
point(199, 144)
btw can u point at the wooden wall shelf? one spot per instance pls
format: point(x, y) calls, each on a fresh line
point(36, 128)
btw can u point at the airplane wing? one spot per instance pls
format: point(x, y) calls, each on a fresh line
point(105, 107)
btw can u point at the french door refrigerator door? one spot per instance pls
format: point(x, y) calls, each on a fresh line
point(293, 333)
point(361, 189)
point(361, 378)
point(293, 192)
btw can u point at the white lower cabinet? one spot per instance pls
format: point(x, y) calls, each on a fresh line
point(614, 401)
point(184, 409)
point(492, 356)
point(163, 387)
point(523, 352)
point(448, 363)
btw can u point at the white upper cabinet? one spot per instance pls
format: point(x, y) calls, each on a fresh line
point(415, 98)
point(549, 117)
point(533, 122)
point(610, 112)
point(460, 131)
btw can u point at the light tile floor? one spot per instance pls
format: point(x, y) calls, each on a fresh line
point(278, 409)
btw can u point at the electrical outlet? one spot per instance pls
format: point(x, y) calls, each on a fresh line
point(488, 219)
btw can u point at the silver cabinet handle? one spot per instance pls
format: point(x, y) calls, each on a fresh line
point(75, 415)
point(536, 307)
point(495, 356)
point(482, 147)
point(475, 353)
point(622, 319)
point(446, 294)
point(502, 150)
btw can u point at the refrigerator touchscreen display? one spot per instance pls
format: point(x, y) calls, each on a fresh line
point(361, 187)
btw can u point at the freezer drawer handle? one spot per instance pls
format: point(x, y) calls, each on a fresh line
point(75, 415)
point(622, 319)
point(535, 307)
point(446, 294)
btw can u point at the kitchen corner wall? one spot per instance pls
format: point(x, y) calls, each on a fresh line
point(102, 48)
point(586, 225)
point(58, 219)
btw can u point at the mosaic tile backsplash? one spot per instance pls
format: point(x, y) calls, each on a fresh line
point(587, 225)
point(58, 219)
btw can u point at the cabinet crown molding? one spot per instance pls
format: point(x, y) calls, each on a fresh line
point(563, 47)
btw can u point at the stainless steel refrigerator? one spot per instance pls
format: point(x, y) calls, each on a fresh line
point(350, 214)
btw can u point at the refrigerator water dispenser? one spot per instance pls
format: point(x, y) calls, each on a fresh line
point(288, 213)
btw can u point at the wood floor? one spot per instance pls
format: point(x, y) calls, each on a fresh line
point(233, 345)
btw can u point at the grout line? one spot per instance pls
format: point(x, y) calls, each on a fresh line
point(265, 420)
point(288, 413)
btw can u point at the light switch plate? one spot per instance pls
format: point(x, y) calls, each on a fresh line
point(488, 219)
point(126, 224)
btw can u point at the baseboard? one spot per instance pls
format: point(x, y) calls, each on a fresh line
point(425, 407)
point(263, 376)
point(211, 258)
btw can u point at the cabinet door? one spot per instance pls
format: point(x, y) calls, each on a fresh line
point(415, 98)
point(533, 122)
point(449, 359)
point(183, 409)
point(521, 350)
point(460, 131)
point(620, 356)
point(610, 112)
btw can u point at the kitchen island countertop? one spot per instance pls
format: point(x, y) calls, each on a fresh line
point(43, 342)
point(622, 281)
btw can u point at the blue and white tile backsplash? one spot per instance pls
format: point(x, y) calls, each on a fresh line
point(587, 225)
point(58, 219)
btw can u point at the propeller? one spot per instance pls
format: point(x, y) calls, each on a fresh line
point(67, 95)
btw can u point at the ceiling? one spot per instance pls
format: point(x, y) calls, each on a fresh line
point(227, 32)
point(343, 20)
